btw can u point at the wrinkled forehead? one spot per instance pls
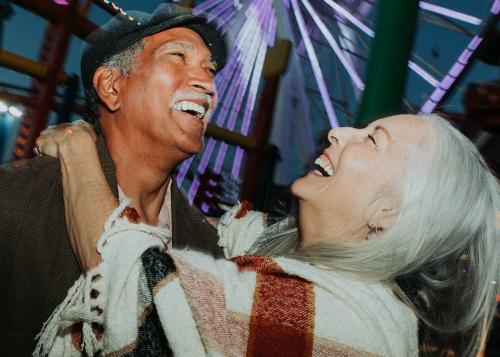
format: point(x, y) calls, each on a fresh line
point(179, 38)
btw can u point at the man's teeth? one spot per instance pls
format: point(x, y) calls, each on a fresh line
point(327, 168)
point(190, 108)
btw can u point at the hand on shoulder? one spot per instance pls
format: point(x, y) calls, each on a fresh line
point(72, 137)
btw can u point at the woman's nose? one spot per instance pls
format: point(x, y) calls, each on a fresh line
point(342, 136)
point(333, 136)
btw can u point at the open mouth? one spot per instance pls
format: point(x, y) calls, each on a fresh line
point(323, 166)
point(197, 110)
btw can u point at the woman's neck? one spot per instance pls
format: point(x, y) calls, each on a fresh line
point(318, 225)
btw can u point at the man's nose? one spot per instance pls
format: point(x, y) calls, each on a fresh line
point(202, 81)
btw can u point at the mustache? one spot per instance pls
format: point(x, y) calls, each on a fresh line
point(192, 95)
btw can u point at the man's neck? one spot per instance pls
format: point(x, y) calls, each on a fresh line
point(142, 176)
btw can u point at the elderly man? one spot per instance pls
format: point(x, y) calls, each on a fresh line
point(150, 90)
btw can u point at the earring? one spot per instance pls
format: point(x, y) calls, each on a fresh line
point(372, 231)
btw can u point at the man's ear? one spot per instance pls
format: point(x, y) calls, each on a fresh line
point(107, 87)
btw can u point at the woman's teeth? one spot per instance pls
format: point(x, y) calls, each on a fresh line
point(325, 168)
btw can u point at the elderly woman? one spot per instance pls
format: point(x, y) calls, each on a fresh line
point(397, 226)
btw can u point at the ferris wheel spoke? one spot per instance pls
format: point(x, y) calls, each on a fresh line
point(335, 47)
point(345, 13)
point(445, 22)
point(318, 75)
point(424, 5)
point(423, 73)
point(457, 68)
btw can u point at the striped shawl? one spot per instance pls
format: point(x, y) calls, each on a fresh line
point(144, 300)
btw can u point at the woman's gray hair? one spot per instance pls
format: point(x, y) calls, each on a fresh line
point(125, 62)
point(441, 255)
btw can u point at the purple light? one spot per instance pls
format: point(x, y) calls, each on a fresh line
point(204, 6)
point(333, 44)
point(495, 8)
point(265, 23)
point(238, 56)
point(345, 13)
point(206, 156)
point(204, 207)
point(315, 66)
point(181, 175)
point(193, 190)
point(226, 17)
point(238, 158)
point(218, 10)
point(447, 82)
point(417, 69)
point(220, 158)
point(452, 75)
point(61, 2)
point(254, 86)
point(252, 95)
point(455, 70)
point(236, 105)
point(449, 13)
point(237, 73)
point(424, 74)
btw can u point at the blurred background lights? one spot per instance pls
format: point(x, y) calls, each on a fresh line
point(15, 112)
point(3, 107)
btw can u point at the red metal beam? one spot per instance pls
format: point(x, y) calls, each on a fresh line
point(54, 13)
point(54, 53)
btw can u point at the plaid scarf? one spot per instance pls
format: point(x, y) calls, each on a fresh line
point(145, 300)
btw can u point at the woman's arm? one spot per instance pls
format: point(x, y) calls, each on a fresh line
point(88, 200)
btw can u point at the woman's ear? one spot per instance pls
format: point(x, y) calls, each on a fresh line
point(383, 213)
point(107, 87)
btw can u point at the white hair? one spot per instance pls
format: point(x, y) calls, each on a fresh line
point(125, 61)
point(441, 254)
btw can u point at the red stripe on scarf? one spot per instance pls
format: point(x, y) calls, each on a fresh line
point(282, 319)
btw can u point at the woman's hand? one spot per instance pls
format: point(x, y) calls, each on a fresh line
point(66, 137)
point(88, 200)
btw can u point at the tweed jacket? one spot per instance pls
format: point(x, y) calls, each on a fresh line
point(37, 265)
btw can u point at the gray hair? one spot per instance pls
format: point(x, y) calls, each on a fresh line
point(125, 62)
point(441, 255)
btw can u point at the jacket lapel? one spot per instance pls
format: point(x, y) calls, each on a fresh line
point(107, 164)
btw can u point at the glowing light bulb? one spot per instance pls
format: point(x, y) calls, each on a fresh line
point(16, 112)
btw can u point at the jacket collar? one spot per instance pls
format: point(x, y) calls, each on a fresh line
point(107, 164)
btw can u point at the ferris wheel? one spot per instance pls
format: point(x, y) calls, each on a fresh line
point(332, 42)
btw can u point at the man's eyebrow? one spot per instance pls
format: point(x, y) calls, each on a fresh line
point(386, 132)
point(174, 44)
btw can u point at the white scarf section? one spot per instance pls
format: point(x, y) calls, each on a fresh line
point(79, 306)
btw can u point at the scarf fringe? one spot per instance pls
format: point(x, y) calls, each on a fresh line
point(79, 306)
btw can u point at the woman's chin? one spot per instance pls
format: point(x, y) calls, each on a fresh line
point(299, 188)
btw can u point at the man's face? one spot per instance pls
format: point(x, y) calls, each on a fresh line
point(167, 99)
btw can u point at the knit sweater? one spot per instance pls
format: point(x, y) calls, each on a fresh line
point(143, 298)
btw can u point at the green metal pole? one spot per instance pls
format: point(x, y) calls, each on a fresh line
point(387, 66)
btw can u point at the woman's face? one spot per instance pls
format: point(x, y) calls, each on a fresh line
point(361, 166)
